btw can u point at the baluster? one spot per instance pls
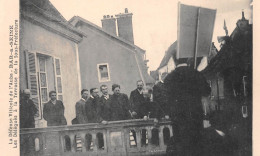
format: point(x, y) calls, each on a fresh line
point(149, 134)
point(72, 142)
point(94, 139)
point(105, 139)
point(83, 142)
point(171, 132)
point(138, 138)
point(161, 141)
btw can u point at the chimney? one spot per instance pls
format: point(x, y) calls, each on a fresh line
point(125, 26)
point(109, 24)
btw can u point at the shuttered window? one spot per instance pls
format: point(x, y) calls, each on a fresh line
point(32, 81)
point(43, 79)
point(43, 75)
point(58, 79)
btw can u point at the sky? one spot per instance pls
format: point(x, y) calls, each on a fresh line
point(155, 21)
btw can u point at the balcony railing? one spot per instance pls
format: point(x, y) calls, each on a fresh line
point(127, 137)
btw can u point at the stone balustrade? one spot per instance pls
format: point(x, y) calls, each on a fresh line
point(125, 137)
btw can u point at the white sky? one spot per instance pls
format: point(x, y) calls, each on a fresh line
point(154, 21)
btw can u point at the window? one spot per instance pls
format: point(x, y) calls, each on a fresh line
point(103, 72)
point(58, 79)
point(43, 79)
point(43, 75)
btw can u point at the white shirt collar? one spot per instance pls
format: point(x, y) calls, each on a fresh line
point(182, 65)
point(140, 91)
point(106, 96)
point(220, 132)
point(92, 97)
point(83, 99)
point(54, 102)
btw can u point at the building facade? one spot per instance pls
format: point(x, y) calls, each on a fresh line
point(106, 58)
point(48, 57)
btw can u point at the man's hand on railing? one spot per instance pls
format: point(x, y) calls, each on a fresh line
point(134, 113)
point(104, 122)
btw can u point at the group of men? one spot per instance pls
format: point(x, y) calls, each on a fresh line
point(93, 108)
point(118, 106)
point(177, 97)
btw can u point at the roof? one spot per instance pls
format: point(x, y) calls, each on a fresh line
point(173, 49)
point(47, 10)
point(74, 20)
point(46, 6)
point(168, 54)
point(237, 52)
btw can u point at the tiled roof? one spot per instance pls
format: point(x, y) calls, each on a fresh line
point(168, 54)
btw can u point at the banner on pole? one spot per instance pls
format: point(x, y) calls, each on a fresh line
point(195, 30)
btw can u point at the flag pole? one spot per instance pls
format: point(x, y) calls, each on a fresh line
point(197, 40)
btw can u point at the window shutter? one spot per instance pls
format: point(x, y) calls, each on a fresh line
point(32, 81)
point(58, 79)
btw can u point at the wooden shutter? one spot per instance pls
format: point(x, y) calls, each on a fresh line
point(57, 67)
point(32, 81)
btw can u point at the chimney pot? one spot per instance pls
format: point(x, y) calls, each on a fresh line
point(111, 16)
point(243, 15)
point(126, 10)
point(104, 16)
point(108, 16)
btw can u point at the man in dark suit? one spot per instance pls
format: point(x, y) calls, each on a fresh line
point(104, 109)
point(137, 99)
point(120, 106)
point(53, 111)
point(92, 106)
point(185, 88)
point(27, 110)
point(80, 108)
point(160, 98)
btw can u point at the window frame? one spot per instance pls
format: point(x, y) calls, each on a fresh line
point(37, 56)
point(56, 78)
point(99, 73)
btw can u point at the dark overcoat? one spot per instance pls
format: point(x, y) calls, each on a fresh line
point(185, 88)
point(81, 112)
point(27, 112)
point(104, 108)
point(54, 114)
point(136, 102)
point(92, 110)
point(120, 107)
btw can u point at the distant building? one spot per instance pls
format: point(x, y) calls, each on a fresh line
point(167, 64)
point(106, 58)
point(155, 75)
point(48, 56)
